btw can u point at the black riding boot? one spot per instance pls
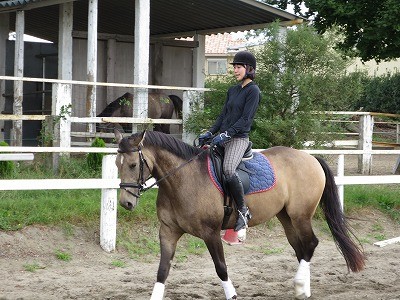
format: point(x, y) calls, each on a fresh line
point(236, 189)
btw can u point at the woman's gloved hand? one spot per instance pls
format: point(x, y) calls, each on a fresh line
point(204, 137)
point(221, 139)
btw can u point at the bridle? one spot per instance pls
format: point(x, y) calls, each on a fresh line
point(141, 180)
point(140, 184)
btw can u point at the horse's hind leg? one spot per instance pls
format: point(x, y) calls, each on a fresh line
point(214, 246)
point(168, 241)
point(303, 240)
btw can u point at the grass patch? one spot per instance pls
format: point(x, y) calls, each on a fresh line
point(19, 209)
point(62, 255)
point(32, 267)
point(383, 197)
point(118, 264)
point(267, 249)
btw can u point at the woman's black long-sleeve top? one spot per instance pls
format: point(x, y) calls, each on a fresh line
point(239, 109)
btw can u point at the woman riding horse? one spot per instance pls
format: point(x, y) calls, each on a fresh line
point(189, 202)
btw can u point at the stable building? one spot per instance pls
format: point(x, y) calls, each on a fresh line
point(98, 41)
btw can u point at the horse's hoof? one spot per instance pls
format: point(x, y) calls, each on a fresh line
point(301, 290)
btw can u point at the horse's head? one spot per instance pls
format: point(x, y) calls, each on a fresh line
point(133, 168)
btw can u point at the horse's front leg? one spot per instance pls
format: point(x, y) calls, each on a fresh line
point(168, 240)
point(214, 245)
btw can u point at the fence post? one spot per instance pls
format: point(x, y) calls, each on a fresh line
point(189, 98)
point(340, 174)
point(365, 143)
point(108, 214)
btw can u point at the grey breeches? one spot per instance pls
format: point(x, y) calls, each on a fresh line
point(234, 150)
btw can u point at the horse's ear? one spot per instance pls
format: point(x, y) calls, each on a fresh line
point(118, 135)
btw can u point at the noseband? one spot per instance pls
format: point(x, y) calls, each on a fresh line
point(141, 180)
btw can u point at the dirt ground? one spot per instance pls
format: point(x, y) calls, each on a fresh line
point(262, 268)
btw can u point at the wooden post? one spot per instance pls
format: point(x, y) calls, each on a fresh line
point(62, 94)
point(61, 109)
point(396, 170)
point(365, 143)
point(141, 59)
point(111, 60)
point(199, 61)
point(16, 132)
point(65, 41)
point(92, 63)
point(109, 203)
point(4, 30)
point(340, 173)
point(189, 97)
point(61, 104)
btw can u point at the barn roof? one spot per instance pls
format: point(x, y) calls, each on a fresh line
point(172, 18)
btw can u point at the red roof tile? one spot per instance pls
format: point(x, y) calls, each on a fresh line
point(219, 43)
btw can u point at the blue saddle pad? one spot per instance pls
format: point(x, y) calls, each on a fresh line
point(262, 176)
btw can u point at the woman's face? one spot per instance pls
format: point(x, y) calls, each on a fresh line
point(239, 71)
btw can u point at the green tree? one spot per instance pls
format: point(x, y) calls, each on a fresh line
point(381, 94)
point(371, 28)
point(297, 73)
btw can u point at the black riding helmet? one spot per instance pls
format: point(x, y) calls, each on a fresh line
point(244, 58)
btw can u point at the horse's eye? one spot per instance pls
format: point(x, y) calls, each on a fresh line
point(132, 166)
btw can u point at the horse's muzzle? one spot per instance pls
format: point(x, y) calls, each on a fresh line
point(128, 204)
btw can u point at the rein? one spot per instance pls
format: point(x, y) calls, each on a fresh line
point(141, 181)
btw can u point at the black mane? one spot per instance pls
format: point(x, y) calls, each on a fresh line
point(170, 144)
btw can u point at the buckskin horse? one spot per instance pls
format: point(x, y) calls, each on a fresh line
point(189, 202)
point(160, 106)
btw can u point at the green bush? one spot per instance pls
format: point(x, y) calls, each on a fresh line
point(296, 76)
point(6, 167)
point(381, 94)
point(94, 160)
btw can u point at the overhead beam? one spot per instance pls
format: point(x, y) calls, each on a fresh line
point(131, 39)
point(225, 29)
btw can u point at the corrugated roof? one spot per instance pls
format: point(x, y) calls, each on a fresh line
point(167, 18)
point(18, 3)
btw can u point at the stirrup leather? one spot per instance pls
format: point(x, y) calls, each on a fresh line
point(242, 220)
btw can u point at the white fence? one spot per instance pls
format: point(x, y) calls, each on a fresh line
point(109, 183)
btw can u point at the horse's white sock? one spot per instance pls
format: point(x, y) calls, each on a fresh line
point(158, 291)
point(229, 289)
point(301, 281)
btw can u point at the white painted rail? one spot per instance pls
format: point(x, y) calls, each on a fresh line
point(16, 156)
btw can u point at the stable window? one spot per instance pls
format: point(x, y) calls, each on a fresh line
point(216, 66)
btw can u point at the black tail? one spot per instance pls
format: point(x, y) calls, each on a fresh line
point(341, 231)
point(178, 103)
